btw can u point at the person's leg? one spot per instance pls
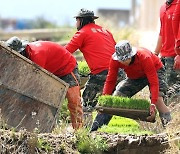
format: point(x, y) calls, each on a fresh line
point(171, 74)
point(172, 79)
point(74, 98)
point(163, 110)
point(100, 120)
point(93, 86)
point(129, 88)
point(173, 91)
point(75, 107)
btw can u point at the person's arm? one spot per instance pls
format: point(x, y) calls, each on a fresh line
point(159, 41)
point(158, 46)
point(177, 62)
point(176, 23)
point(111, 77)
point(76, 42)
point(152, 77)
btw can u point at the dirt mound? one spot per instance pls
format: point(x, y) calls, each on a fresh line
point(128, 144)
point(25, 142)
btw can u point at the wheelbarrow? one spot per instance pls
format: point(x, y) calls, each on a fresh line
point(30, 96)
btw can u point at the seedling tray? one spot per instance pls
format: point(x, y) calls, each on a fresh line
point(128, 113)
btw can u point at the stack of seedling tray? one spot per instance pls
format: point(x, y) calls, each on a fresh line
point(83, 71)
point(137, 109)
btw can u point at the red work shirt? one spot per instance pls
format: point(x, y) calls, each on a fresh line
point(145, 64)
point(176, 23)
point(166, 31)
point(97, 45)
point(52, 57)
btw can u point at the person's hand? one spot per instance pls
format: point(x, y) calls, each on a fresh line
point(177, 62)
point(177, 47)
point(152, 111)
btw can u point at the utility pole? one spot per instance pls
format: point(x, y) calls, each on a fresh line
point(133, 12)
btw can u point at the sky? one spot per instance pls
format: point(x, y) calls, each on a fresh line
point(58, 11)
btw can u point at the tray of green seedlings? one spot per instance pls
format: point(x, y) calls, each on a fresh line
point(137, 109)
point(83, 71)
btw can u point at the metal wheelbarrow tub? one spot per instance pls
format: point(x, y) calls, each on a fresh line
point(30, 96)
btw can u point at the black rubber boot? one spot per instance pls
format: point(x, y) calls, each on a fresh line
point(101, 119)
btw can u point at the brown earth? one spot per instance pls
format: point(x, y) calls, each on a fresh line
point(12, 142)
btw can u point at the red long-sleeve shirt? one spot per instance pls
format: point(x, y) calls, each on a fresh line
point(145, 64)
point(176, 24)
point(96, 44)
point(166, 31)
point(52, 57)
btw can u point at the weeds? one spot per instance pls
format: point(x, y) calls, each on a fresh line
point(88, 144)
point(44, 145)
point(173, 130)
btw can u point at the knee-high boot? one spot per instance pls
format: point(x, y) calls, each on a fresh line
point(75, 107)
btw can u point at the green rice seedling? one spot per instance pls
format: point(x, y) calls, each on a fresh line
point(115, 102)
point(123, 102)
point(105, 100)
point(83, 68)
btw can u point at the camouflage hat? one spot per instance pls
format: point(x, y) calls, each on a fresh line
point(16, 44)
point(123, 51)
point(85, 13)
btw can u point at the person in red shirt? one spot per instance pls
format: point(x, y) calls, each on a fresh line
point(176, 31)
point(97, 45)
point(165, 46)
point(174, 90)
point(142, 68)
point(57, 60)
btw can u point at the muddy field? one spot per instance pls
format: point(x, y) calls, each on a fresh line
point(25, 142)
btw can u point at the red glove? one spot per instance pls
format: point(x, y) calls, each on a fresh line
point(177, 62)
point(152, 111)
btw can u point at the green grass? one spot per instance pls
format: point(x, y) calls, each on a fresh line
point(87, 144)
point(123, 102)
